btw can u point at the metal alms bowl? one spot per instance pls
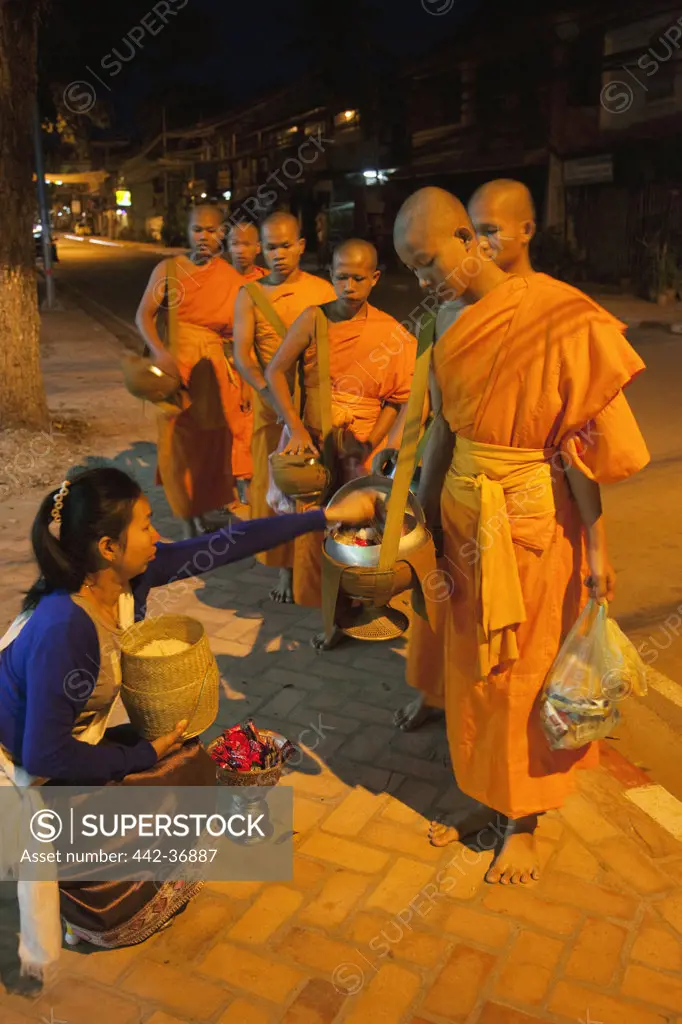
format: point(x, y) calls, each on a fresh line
point(368, 557)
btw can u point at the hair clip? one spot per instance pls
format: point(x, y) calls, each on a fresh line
point(56, 514)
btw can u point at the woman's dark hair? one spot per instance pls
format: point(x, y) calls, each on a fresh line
point(99, 503)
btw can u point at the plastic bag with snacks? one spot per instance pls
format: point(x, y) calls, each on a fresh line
point(276, 499)
point(596, 667)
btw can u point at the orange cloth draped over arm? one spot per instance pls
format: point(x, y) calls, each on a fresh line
point(288, 301)
point(195, 451)
point(527, 367)
point(371, 363)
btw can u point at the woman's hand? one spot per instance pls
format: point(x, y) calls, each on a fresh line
point(355, 508)
point(300, 442)
point(171, 742)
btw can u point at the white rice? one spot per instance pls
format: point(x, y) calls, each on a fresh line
point(162, 648)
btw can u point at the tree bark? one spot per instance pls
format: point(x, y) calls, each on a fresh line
point(22, 393)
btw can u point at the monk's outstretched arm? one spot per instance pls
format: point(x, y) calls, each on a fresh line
point(244, 334)
point(297, 339)
point(145, 319)
point(437, 459)
point(588, 499)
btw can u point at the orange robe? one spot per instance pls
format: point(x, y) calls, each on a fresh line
point(530, 371)
point(371, 362)
point(288, 300)
point(195, 462)
point(241, 421)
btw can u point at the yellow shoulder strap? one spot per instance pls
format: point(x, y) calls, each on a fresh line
point(408, 450)
point(266, 308)
point(172, 294)
point(324, 370)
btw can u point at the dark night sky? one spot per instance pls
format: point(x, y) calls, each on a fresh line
point(216, 53)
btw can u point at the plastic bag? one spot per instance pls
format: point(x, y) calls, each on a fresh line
point(277, 500)
point(596, 667)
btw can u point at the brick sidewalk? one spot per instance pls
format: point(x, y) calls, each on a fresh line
point(376, 926)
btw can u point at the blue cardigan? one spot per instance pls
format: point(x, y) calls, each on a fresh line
point(59, 642)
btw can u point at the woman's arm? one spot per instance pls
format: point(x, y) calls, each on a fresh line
point(198, 555)
point(146, 315)
point(61, 672)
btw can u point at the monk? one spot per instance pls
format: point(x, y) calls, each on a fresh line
point(503, 215)
point(287, 290)
point(502, 211)
point(243, 245)
point(531, 420)
point(371, 359)
point(195, 448)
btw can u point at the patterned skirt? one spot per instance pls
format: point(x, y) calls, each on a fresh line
point(112, 914)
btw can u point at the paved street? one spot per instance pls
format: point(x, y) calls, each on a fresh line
point(375, 925)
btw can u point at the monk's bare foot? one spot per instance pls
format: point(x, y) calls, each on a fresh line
point(517, 862)
point(413, 714)
point(475, 822)
point(283, 593)
point(320, 642)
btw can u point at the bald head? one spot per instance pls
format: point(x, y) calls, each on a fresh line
point(282, 245)
point(511, 197)
point(431, 212)
point(503, 212)
point(281, 220)
point(243, 242)
point(206, 230)
point(354, 274)
point(357, 252)
point(434, 238)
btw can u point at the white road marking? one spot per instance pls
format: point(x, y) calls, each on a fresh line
point(660, 805)
point(670, 690)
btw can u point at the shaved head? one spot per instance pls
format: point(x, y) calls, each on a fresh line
point(356, 250)
point(430, 211)
point(281, 219)
point(511, 197)
point(282, 245)
point(206, 230)
point(207, 210)
point(503, 213)
point(243, 243)
point(245, 229)
point(434, 238)
point(354, 274)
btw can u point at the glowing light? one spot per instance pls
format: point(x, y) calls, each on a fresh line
point(227, 194)
point(371, 175)
point(59, 182)
point(349, 114)
point(123, 197)
point(203, 195)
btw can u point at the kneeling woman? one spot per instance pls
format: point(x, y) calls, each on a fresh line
point(99, 556)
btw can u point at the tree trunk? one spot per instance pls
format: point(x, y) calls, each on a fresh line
point(22, 394)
